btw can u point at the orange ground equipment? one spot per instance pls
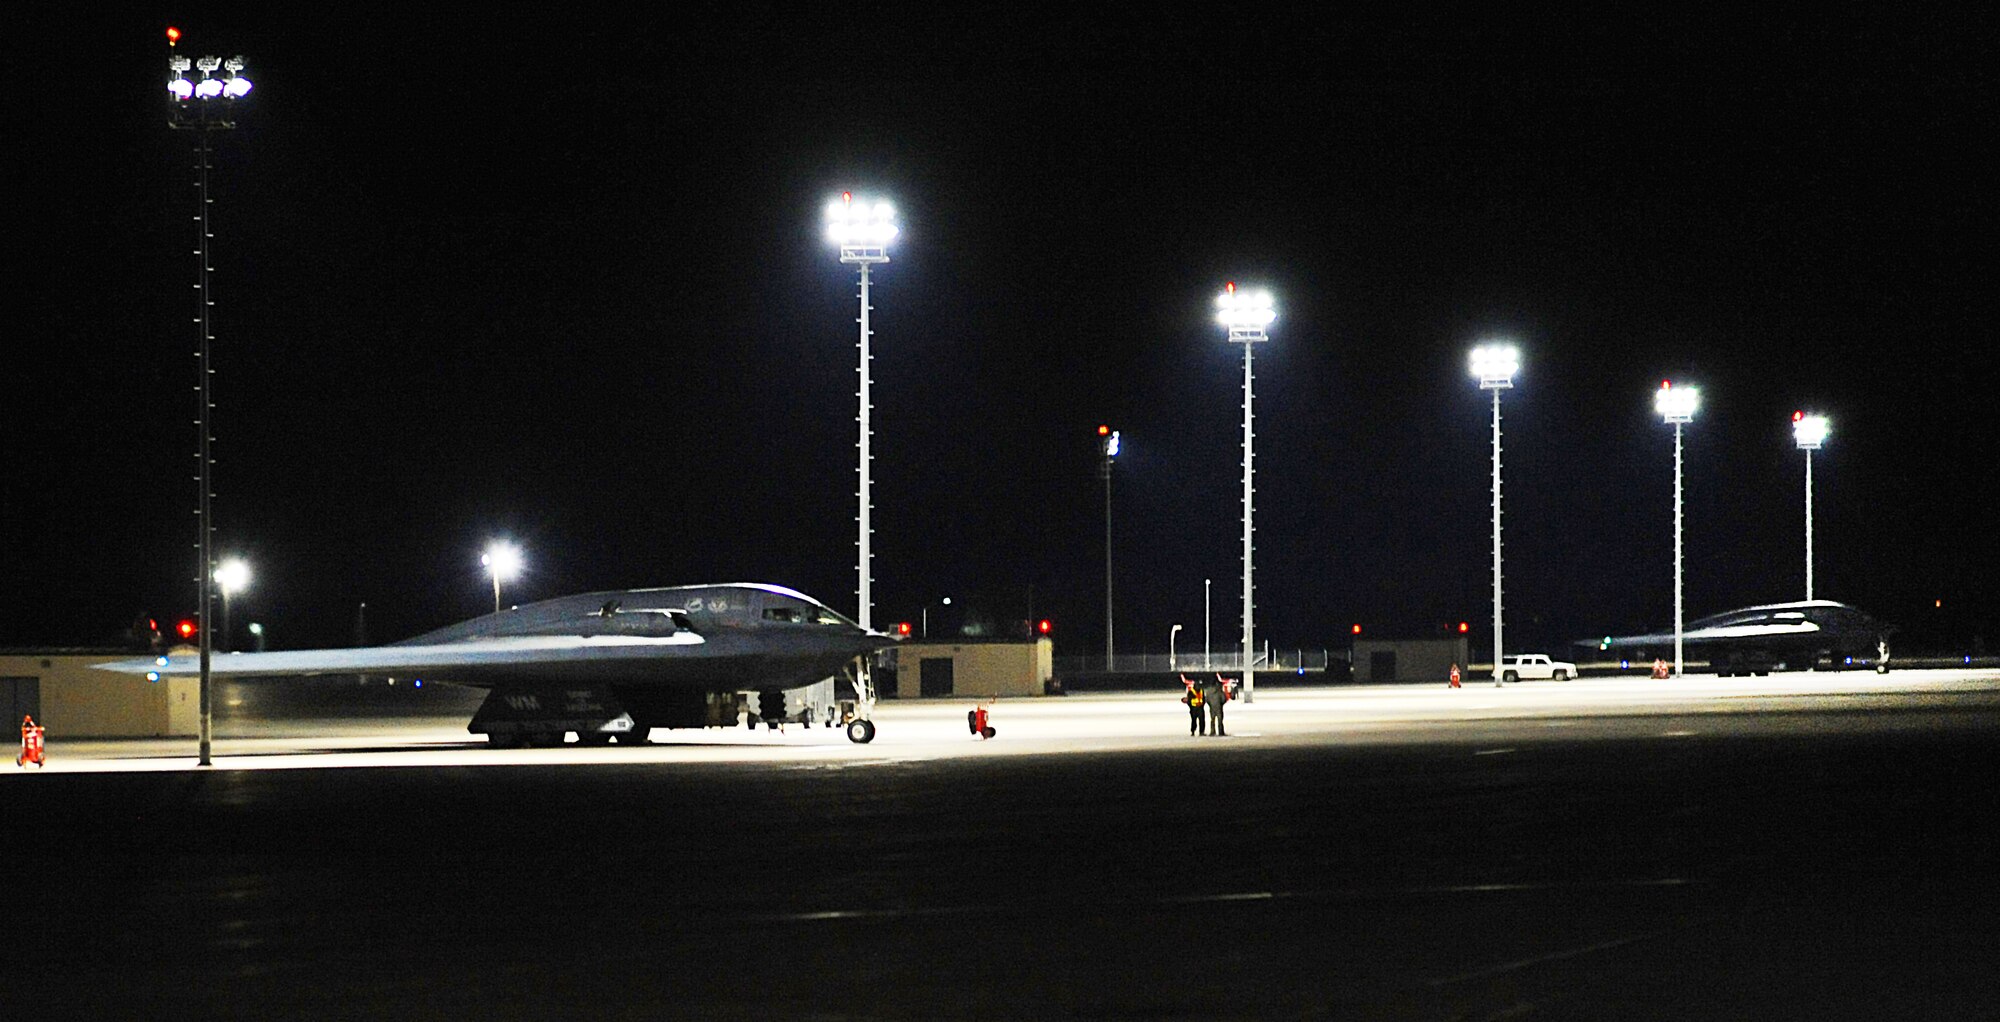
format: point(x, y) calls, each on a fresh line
point(31, 744)
point(976, 720)
point(1659, 670)
point(1454, 677)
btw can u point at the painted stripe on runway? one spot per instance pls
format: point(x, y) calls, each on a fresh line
point(1224, 897)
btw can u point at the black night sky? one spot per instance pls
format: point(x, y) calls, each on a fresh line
point(559, 277)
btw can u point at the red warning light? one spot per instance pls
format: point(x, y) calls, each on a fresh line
point(1462, 627)
point(186, 628)
point(1666, 384)
point(1042, 626)
point(902, 628)
point(1230, 287)
point(1796, 416)
point(173, 35)
point(1104, 431)
point(1357, 628)
point(847, 197)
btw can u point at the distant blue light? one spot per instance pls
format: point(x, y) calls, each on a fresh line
point(1968, 660)
point(1622, 664)
point(420, 683)
point(1850, 660)
point(152, 675)
point(162, 661)
point(1302, 672)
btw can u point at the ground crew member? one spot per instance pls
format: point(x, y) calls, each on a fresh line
point(1193, 698)
point(1215, 698)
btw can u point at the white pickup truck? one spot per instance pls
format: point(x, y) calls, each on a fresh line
point(1535, 667)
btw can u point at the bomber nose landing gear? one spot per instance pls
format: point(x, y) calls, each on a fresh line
point(860, 729)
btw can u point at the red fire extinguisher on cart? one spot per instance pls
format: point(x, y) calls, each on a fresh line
point(976, 721)
point(31, 744)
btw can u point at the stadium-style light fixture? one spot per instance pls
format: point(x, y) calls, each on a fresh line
point(219, 79)
point(504, 562)
point(1246, 315)
point(862, 230)
point(1677, 406)
point(1809, 432)
point(1494, 366)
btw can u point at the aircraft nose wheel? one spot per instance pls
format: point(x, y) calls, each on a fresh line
point(861, 732)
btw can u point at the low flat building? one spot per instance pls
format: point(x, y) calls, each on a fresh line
point(970, 667)
point(60, 690)
point(1385, 661)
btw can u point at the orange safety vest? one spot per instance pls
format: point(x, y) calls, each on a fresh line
point(1194, 697)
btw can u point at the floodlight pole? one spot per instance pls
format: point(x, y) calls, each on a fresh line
point(1499, 647)
point(1809, 432)
point(203, 112)
point(1809, 531)
point(1246, 316)
point(1249, 516)
point(1678, 669)
point(1494, 365)
point(205, 523)
point(865, 593)
point(863, 245)
point(1677, 407)
point(1206, 662)
point(1105, 470)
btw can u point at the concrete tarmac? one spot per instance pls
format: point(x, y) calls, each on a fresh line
point(1806, 846)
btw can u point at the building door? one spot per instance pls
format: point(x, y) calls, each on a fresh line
point(23, 698)
point(935, 676)
point(1382, 665)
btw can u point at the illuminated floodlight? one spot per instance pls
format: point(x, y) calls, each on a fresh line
point(502, 561)
point(181, 88)
point(1245, 313)
point(1495, 365)
point(208, 88)
point(237, 87)
point(232, 576)
point(862, 229)
point(1111, 445)
point(1810, 431)
point(1676, 404)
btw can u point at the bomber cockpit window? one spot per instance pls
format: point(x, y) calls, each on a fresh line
point(781, 614)
point(826, 617)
